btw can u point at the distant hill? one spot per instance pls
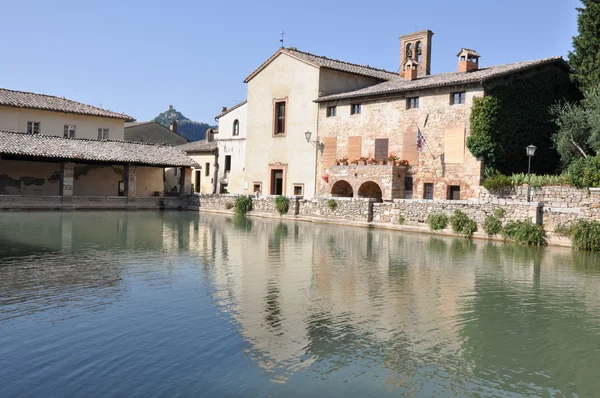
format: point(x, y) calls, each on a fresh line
point(193, 131)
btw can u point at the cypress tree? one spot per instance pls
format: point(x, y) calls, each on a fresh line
point(585, 57)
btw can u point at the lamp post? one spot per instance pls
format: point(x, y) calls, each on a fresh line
point(307, 135)
point(530, 153)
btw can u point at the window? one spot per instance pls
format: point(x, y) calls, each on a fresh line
point(331, 111)
point(236, 127)
point(408, 187)
point(227, 163)
point(257, 188)
point(280, 118)
point(428, 191)
point(355, 109)
point(276, 182)
point(69, 131)
point(207, 169)
point(33, 127)
point(454, 192)
point(457, 98)
point(412, 103)
point(298, 189)
point(103, 134)
point(197, 181)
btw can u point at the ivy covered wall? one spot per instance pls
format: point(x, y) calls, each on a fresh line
point(515, 113)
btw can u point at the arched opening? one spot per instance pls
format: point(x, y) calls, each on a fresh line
point(409, 51)
point(236, 127)
point(342, 189)
point(370, 189)
point(419, 51)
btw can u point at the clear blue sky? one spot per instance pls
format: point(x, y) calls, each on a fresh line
point(138, 56)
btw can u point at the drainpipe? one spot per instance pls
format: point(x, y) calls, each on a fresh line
point(216, 171)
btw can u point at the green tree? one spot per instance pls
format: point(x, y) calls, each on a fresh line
point(585, 57)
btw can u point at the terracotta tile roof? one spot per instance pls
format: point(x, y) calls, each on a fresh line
point(225, 112)
point(21, 99)
point(80, 149)
point(198, 146)
point(399, 85)
point(324, 62)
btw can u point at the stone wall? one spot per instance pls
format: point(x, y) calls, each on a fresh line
point(345, 208)
point(416, 211)
point(553, 196)
point(389, 179)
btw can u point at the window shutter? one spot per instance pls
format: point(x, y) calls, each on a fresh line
point(329, 151)
point(354, 148)
point(381, 148)
point(454, 145)
point(409, 146)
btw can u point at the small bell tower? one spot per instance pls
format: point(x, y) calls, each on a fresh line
point(416, 46)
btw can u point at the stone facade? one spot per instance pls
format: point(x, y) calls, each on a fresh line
point(444, 161)
point(345, 208)
point(388, 180)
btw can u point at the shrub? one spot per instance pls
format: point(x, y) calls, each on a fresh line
point(585, 235)
point(243, 204)
point(437, 221)
point(497, 182)
point(525, 233)
point(492, 225)
point(229, 205)
point(538, 181)
point(282, 204)
point(400, 220)
point(462, 224)
point(585, 172)
point(332, 204)
point(564, 230)
point(499, 212)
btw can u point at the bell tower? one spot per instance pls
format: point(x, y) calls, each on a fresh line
point(416, 46)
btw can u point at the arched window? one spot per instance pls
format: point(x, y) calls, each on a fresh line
point(419, 51)
point(236, 127)
point(409, 51)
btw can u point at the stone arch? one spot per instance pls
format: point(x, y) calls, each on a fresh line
point(419, 51)
point(370, 189)
point(342, 189)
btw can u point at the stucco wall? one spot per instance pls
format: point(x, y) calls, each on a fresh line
point(285, 77)
point(149, 180)
point(390, 119)
point(234, 146)
point(53, 123)
point(96, 180)
point(29, 178)
point(334, 82)
point(206, 182)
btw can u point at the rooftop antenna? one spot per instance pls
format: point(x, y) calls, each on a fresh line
point(281, 40)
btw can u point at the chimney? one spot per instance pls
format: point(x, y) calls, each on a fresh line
point(170, 108)
point(417, 46)
point(411, 70)
point(468, 60)
point(224, 109)
point(210, 135)
point(173, 126)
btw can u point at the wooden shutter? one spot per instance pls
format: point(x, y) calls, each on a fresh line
point(354, 148)
point(409, 146)
point(381, 148)
point(454, 145)
point(329, 151)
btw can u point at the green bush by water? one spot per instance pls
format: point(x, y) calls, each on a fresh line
point(462, 224)
point(400, 220)
point(229, 205)
point(492, 225)
point(332, 204)
point(525, 233)
point(497, 182)
point(585, 235)
point(243, 204)
point(282, 204)
point(437, 221)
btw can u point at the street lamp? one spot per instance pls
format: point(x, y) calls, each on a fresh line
point(530, 153)
point(307, 135)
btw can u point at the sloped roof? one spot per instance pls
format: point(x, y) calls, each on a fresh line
point(324, 62)
point(80, 149)
point(152, 133)
point(399, 85)
point(22, 99)
point(198, 146)
point(225, 112)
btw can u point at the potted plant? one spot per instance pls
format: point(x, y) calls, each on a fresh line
point(325, 178)
point(393, 159)
point(372, 161)
point(384, 161)
point(344, 161)
point(364, 160)
point(355, 161)
point(337, 162)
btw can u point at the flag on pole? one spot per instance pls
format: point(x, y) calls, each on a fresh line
point(420, 140)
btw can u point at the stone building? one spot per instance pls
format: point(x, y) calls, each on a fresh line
point(231, 146)
point(153, 133)
point(45, 114)
point(204, 175)
point(45, 171)
point(386, 118)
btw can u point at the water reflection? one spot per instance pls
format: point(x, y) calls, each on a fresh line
point(319, 309)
